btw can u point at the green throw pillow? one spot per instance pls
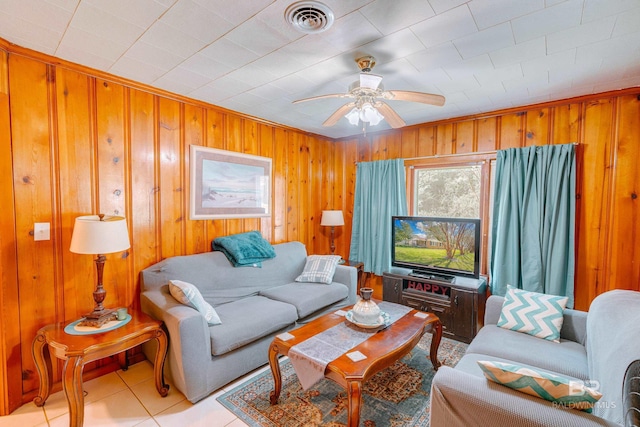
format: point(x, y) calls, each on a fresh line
point(554, 388)
point(188, 294)
point(533, 313)
point(319, 269)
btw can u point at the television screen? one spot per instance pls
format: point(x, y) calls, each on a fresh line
point(440, 247)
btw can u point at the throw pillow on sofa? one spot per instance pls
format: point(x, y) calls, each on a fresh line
point(188, 294)
point(319, 269)
point(533, 313)
point(554, 388)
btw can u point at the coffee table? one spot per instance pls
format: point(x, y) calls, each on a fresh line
point(383, 348)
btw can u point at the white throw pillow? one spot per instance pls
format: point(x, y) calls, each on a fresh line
point(319, 269)
point(533, 313)
point(188, 294)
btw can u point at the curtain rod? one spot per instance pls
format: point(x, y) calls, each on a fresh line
point(479, 153)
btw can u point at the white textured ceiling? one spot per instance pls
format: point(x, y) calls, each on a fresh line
point(482, 55)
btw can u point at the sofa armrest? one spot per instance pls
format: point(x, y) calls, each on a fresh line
point(348, 276)
point(189, 339)
point(465, 400)
point(574, 324)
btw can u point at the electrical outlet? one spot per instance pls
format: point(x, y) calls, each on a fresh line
point(42, 231)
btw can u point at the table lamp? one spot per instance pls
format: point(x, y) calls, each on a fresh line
point(99, 235)
point(332, 219)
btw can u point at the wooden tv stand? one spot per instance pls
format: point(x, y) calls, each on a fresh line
point(459, 303)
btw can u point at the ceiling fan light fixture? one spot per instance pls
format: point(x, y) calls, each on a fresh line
point(309, 17)
point(353, 116)
point(370, 114)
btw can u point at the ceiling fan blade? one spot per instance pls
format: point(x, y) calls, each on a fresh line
point(338, 114)
point(425, 98)
point(331, 95)
point(394, 120)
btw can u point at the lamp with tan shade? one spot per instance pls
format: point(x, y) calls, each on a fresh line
point(99, 235)
point(332, 219)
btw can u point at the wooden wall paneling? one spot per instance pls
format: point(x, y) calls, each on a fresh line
point(365, 148)
point(304, 194)
point(112, 164)
point(144, 186)
point(338, 200)
point(537, 127)
point(266, 150)
point(292, 175)
point(171, 176)
point(279, 201)
point(465, 137)
point(74, 99)
point(426, 141)
point(215, 138)
point(409, 143)
point(394, 145)
point(251, 145)
point(10, 346)
point(33, 203)
point(566, 124)
point(328, 188)
point(194, 134)
point(444, 139)
point(379, 147)
point(317, 155)
point(511, 130)
point(234, 131)
point(350, 153)
point(487, 130)
point(594, 191)
point(624, 237)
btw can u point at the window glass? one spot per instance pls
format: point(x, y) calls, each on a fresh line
point(452, 192)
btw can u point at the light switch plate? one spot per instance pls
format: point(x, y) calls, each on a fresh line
point(42, 231)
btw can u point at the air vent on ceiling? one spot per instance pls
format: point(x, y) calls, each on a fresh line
point(309, 17)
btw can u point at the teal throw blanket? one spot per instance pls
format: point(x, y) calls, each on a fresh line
point(244, 249)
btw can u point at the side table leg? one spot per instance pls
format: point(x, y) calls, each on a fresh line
point(43, 365)
point(275, 371)
point(72, 386)
point(354, 391)
point(436, 330)
point(158, 366)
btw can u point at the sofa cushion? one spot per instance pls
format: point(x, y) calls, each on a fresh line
point(248, 320)
point(555, 388)
point(319, 269)
point(533, 313)
point(308, 297)
point(566, 357)
point(188, 294)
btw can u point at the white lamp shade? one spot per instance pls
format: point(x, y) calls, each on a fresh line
point(332, 218)
point(92, 236)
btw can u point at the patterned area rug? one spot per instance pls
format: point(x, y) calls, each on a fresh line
point(395, 397)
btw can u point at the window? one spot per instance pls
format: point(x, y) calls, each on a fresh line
point(452, 192)
point(453, 187)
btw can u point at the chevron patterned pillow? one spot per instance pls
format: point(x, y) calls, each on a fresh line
point(533, 313)
point(554, 388)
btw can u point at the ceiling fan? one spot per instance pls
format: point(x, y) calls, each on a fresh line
point(368, 94)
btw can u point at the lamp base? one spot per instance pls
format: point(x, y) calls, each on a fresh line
point(97, 318)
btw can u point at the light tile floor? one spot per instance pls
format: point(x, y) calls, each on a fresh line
point(129, 398)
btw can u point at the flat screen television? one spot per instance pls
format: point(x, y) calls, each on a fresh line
point(436, 248)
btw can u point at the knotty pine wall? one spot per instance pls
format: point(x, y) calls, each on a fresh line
point(75, 142)
point(607, 128)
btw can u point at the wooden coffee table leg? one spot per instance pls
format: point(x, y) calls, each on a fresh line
point(436, 331)
point(354, 390)
point(275, 371)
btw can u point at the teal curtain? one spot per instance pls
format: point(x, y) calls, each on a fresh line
point(533, 227)
point(380, 193)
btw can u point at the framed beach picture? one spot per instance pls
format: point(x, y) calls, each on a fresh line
point(227, 184)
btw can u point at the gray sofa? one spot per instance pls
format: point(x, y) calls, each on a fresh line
point(600, 345)
point(254, 304)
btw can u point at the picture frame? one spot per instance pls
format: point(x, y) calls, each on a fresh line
point(228, 184)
